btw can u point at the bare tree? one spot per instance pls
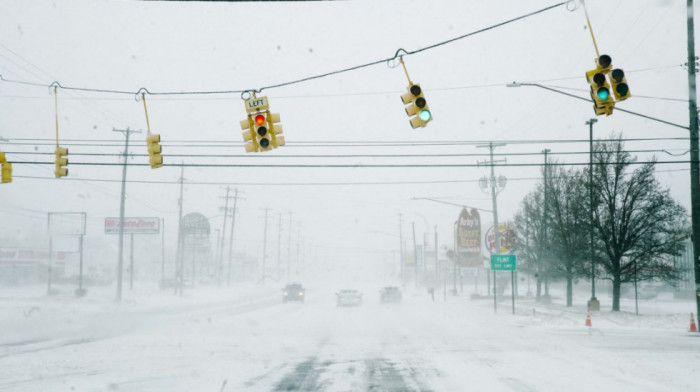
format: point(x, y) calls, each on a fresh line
point(637, 223)
point(568, 220)
point(529, 242)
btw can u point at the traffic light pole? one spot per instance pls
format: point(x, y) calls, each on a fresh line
point(694, 165)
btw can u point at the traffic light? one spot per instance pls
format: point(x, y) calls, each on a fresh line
point(61, 162)
point(261, 132)
point(600, 89)
point(417, 108)
point(154, 150)
point(619, 84)
point(275, 129)
point(6, 169)
point(251, 144)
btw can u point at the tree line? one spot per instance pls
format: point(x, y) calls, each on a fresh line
point(614, 222)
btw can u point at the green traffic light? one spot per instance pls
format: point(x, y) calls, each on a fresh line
point(603, 94)
point(425, 115)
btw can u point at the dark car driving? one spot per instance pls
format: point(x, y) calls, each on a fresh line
point(293, 292)
point(390, 294)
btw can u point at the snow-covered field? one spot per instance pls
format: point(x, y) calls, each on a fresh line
point(246, 339)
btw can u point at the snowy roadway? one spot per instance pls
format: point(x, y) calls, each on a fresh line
point(248, 340)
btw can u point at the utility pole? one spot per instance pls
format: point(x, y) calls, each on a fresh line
point(162, 248)
point(230, 242)
point(694, 154)
point(415, 255)
point(403, 277)
point(497, 238)
point(264, 247)
point(120, 264)
point(289, 247)
point(179, 260)
point(279, 246)
point(543, 242)
point(219, 267)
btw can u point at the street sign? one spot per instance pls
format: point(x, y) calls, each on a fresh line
point(503, 263)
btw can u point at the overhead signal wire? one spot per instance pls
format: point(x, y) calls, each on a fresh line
point(335, 156)
point(356, 165)
point(327, 143)
point(189, 182)
point(144, 90)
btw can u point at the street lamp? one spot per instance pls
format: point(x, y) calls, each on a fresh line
point(593, 303)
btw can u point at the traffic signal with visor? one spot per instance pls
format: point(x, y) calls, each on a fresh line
point(61, 162)
point(154, 151)
point(417, 107)
point(5, 169)
point(619, 84)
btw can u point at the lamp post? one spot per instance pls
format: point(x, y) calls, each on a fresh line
point(593, 303)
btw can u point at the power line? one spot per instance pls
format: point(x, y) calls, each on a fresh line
point(156, 182)
point(336, 156)
point(340, 166)
point(353, 68)
point(323, 143)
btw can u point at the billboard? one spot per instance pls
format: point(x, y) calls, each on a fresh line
point(133, 225)
point(27, 256)
point(469, 237)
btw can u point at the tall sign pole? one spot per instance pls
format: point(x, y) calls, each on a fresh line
point(694, 165)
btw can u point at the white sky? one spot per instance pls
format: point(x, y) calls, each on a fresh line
point(205, 46)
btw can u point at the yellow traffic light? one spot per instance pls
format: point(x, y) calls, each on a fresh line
point(251, 144)
point(275, 128)
point(619, 84)
point(6, 169)
point(417, 107)
point(154, 150)
point(61, 162)
point(261, 131)
point(600, 89)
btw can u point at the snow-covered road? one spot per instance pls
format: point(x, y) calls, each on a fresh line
point(248, 340)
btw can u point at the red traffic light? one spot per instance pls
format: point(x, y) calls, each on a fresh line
point(260, 119)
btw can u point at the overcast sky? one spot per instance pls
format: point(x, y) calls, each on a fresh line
point(346, 214)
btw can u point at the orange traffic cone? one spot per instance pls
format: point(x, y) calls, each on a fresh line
point(588, 318)
point(693, 327)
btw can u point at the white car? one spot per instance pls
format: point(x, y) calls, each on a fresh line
point(349, 297)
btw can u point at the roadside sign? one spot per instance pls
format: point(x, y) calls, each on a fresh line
point(503, 263)
point(133, 225)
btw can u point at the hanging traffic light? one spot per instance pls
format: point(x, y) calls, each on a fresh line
point(600, 90)
point(619, 84)
point(61, 162)
point(5, 170)
point(261, 130)
point(275, 129)
point(417, 107)
point(154, 150)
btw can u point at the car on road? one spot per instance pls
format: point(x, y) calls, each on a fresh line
point(293, 292)
point(348, 297)
point(390, 295)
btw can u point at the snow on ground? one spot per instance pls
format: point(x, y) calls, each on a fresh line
point(244, 338)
